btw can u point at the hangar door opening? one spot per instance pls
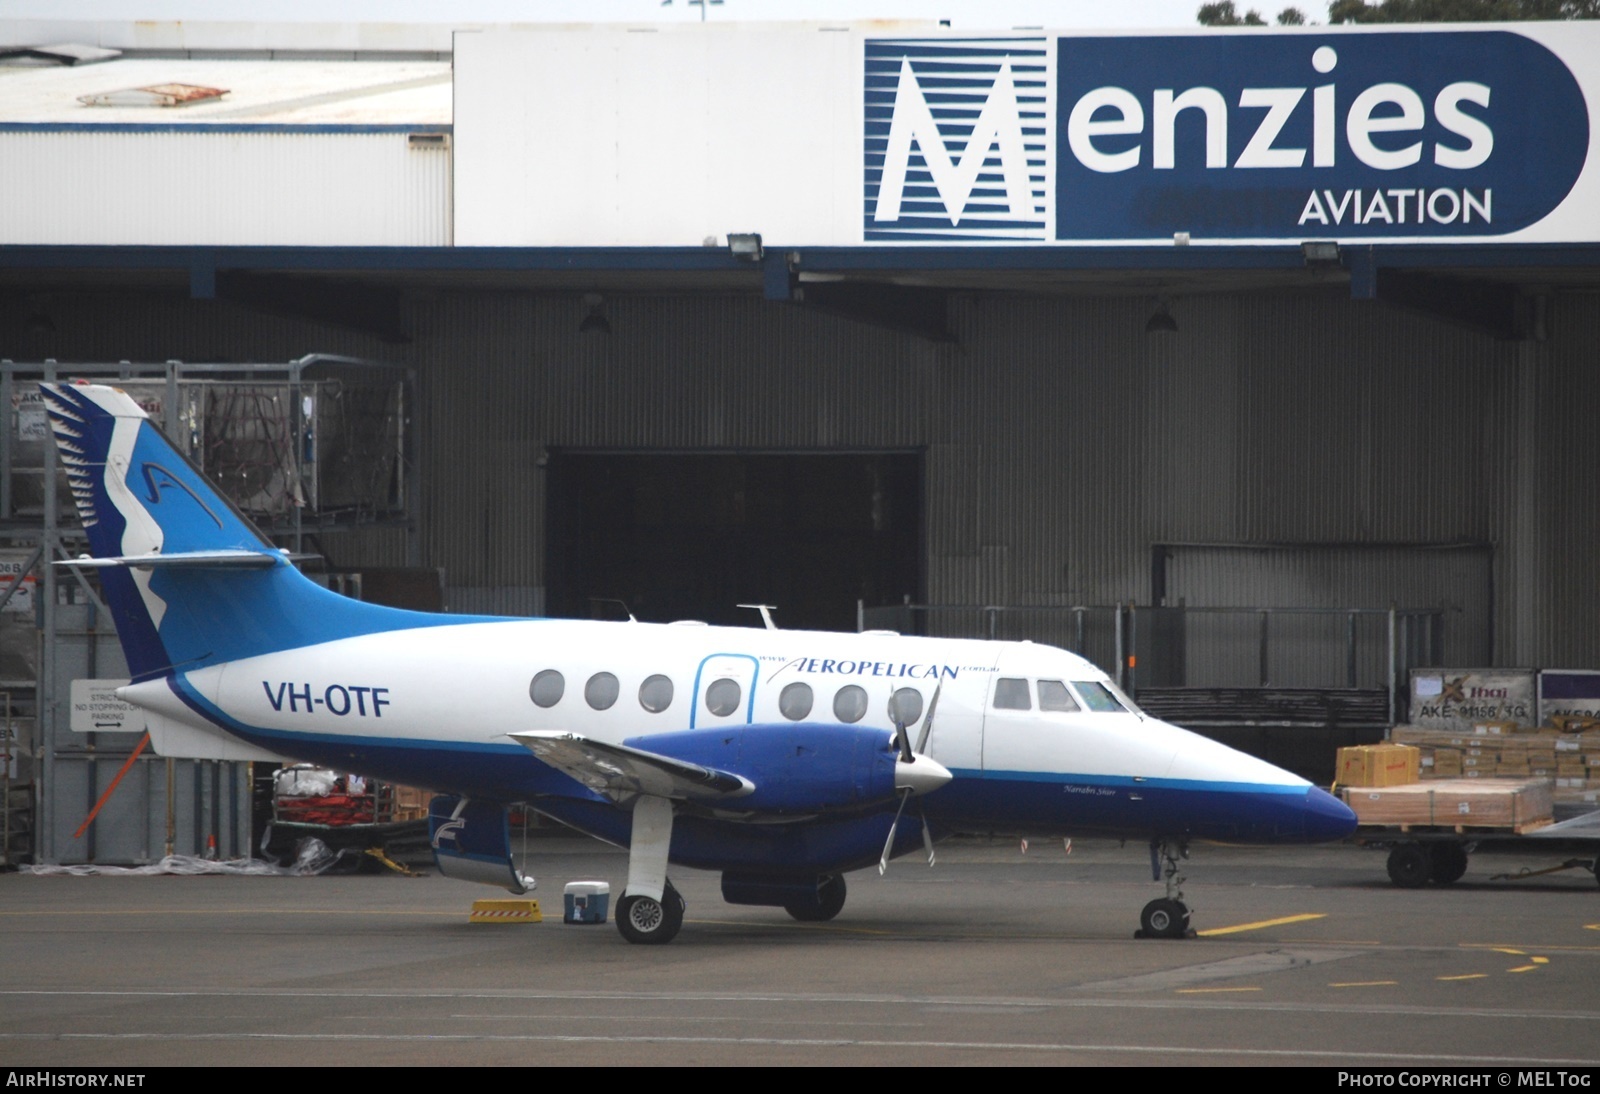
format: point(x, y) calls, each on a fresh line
point(691, 535)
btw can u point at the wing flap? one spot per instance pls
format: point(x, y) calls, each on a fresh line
point(620, 772)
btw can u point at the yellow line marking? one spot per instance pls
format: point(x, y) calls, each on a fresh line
point(58, 913)
point(1523, 968)
point(1542, 945)
point(1591, 926)
point(1468, 976)
point(1541, 961)
point(1508, 949)
point(1364, 984)
point(1214, 931)
point(1204, 991)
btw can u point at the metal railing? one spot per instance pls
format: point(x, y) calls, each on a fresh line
point(1185, 646)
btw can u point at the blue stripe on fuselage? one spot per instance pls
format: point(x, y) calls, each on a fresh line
point(1038, 803)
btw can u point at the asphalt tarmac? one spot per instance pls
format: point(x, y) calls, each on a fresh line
point(1305, 956)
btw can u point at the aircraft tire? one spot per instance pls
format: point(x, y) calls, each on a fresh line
point(648, 922)
point(1447, 862)
point(1410, 865)
point(830, 901)
point(1164, 918)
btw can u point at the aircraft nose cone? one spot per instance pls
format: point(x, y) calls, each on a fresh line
point(1327, 818)
point(921, 775)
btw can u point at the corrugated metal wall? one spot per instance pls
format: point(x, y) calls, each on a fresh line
point(1062, 441)
point(245, 187)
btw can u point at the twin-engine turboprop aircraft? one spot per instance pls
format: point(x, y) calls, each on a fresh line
point(782, 759)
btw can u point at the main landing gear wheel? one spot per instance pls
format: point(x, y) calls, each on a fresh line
point(1410, 865)
point(1447, 862)
point(647, 922)
point(1163, 918)
point(829, 902)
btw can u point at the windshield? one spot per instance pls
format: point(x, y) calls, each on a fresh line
point(1101, 697)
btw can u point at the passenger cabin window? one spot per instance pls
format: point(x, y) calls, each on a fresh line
point(547, 688)
point(905, 706)
point(1011, 695)
point(655, 694)
point(1054, 696)
point(850, 704)
point(601, 691)
point(722, 697)
point(794, 701)
point(1096, 696)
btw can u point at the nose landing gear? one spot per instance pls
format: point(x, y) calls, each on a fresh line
point(1168, 916)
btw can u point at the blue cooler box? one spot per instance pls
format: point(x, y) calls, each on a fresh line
point(586, 901)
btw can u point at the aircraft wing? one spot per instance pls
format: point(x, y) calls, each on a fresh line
point(620, 772)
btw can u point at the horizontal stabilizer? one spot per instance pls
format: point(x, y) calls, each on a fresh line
point(196, 560)
point(620, 772)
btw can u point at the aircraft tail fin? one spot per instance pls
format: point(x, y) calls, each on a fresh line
point(188, 578)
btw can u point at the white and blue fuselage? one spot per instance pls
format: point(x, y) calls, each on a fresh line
point(436, 706)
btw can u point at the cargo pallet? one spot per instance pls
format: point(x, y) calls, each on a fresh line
point(1414, 821)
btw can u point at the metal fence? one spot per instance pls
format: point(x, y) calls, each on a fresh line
point(1212, 647)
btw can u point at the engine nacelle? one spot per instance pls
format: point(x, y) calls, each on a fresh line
point(798, 768)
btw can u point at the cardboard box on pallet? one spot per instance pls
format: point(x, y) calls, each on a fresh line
point(1446, 763)
point(1515, 804)
point(1378, 765)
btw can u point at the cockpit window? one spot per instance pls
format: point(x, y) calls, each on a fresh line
point(1053, 695)
point(1011, 695)
point(1096, 696)
point(1122, 697)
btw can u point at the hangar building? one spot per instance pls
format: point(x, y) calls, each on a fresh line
point(1233, 359)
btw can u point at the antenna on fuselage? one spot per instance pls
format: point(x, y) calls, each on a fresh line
point(766, 611)
point(623, 604)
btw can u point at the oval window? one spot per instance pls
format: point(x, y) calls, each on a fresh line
point(722, 697)
point(794, 701)
point(547, 688)
point(601, 690)
point(850, 704)
point(905, 706)
point(655, 694)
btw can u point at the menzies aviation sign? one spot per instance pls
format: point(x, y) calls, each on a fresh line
point(1427, 134)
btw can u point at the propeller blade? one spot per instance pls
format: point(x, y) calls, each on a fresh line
point(927, 837)
point(927, 722)
point(888, 844)
point(903, 739)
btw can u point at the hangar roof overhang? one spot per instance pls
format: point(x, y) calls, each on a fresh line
point(1481, 286)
